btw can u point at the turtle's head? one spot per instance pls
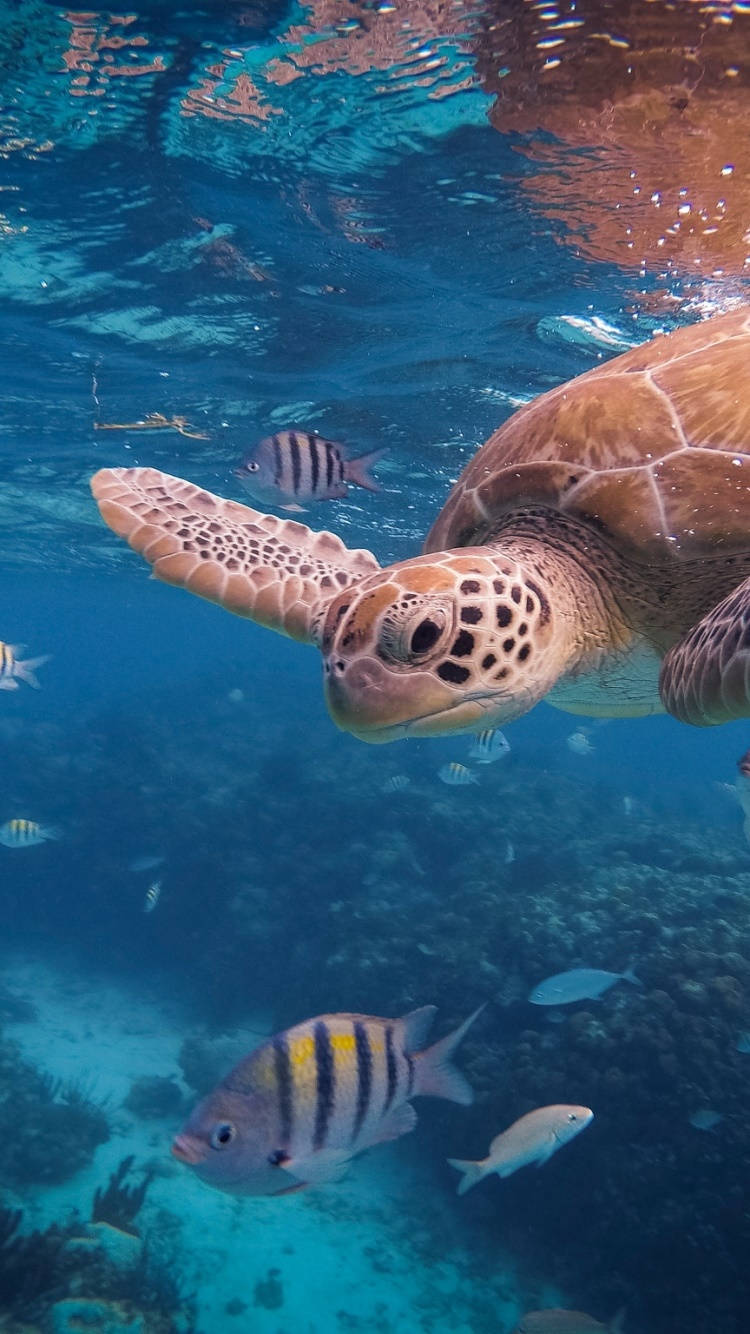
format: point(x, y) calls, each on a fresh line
point(450, 642)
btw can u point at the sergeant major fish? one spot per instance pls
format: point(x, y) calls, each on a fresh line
point(12, 671)
point(456, 775)
point(25, 833)
point(489, 746)
point(531, 1139)
point(153, 894)
point(300, 466)
point(297, 1110)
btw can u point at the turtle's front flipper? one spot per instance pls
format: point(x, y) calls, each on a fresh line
point(272, 570)
point(705, 678)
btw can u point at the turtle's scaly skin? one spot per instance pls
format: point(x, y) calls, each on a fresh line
point(604, 528)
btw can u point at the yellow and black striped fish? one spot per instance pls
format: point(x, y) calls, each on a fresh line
point(12, 671)
point(297, 466)
point(297, 1110)
point(25, 833)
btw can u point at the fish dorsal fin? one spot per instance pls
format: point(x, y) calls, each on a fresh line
point(416, 1025)
point(271, 570)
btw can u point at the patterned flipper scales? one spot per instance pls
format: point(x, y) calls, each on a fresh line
point(273, 571)
point(705, 678)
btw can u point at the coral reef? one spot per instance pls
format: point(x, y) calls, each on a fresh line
point(87, 1276)
point(119, 1203)
point(418, 904)
point(154, 1096)
point(51, 1128)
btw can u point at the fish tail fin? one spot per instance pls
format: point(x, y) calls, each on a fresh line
point(358, 470)
point(472, 1173)
point(630, 976)
point(437, 1076)
point(27, 669)
point(50, 831)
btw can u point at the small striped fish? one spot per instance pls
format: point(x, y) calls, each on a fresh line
point(297, 1110)
point(456, 775)
point(25, 833)
point(398, 783)
point(488, 746)
point(153, 894)
point(12, 671)
point(299, 466)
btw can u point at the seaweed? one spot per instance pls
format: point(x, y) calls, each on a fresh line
point(119, 1203)
point(29, 1265)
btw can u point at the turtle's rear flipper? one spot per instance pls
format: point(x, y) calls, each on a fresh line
point(705, 678)
point(272, 570)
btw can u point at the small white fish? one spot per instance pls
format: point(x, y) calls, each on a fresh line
point(489, 746)
point(146, 863)
point(532, 1139)
point(510, 854)
point(236, 696)
point(579, 743)
point(456, 775)
point(628, 805)
point(578, 984)
point(705, 1119)
point(25, 833)
point(153, 893)
point(12, 671)
point(398, 783)
point(743, 1043)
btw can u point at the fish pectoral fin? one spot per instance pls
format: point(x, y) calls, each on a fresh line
point(271, 570)
point(319, 1166)
point(398, 1122)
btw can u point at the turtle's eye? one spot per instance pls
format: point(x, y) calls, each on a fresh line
point(408, 635)
point(425, 636)
point(222, 1135)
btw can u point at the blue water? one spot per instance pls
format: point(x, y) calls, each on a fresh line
point(247, 216)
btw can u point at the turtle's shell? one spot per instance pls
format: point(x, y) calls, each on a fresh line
point(653, 449)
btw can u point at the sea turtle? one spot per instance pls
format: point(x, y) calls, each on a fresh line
point(595, 552)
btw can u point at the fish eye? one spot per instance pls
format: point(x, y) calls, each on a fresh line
point(222, 1135)
point(572, 1116)
point(278, 1158)
point(252, 467)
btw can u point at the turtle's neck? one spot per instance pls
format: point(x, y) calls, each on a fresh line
point(581, 572)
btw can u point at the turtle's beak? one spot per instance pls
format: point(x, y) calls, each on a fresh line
point(378, 705)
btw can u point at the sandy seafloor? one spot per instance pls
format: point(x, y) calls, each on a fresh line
point(357, 1247)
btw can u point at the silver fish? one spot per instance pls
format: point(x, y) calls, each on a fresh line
point(296, 465)
point(12, 671)
point(25, 833)
point(489, 746)
point(705, 1118)
point(532, 1139)
point(145, 863)
point(579, 743)
point(298, 1109)
point(743, 1043)
point(578, 984)
point(456, 775)
point(557, 1321)
point(153, 894)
